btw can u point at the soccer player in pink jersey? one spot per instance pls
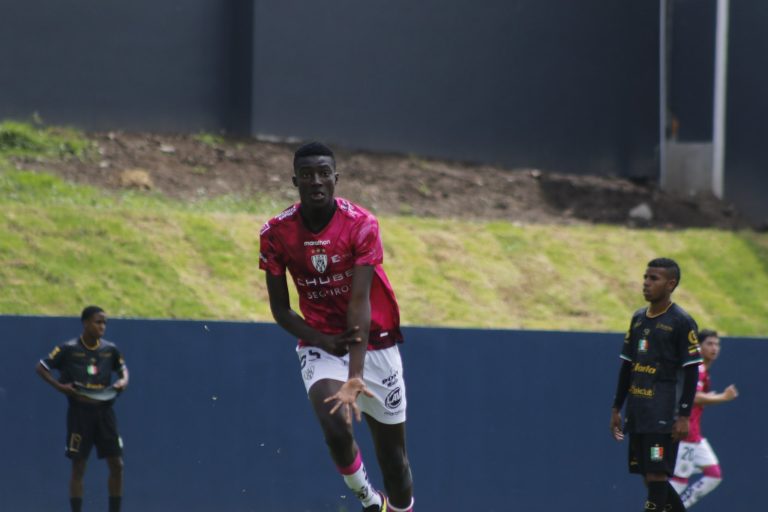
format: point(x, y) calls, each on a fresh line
point(349, 327)
point(695, 454)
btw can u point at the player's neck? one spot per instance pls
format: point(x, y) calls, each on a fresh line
point(315, 220)
point(89, 342)
point(660, 307)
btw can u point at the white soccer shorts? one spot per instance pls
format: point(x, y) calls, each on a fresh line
point(382, 373)
point(691, 457)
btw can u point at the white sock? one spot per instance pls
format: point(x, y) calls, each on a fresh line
point(356, 479)
point(699, 489)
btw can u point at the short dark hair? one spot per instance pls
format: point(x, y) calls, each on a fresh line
point(707, 333)
point(89, 311)
point(669, 264)
point(313, 149)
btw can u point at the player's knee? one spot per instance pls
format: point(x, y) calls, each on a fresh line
point(116, 466)
point(338, 439)
point(78, 470)
point(713, 472)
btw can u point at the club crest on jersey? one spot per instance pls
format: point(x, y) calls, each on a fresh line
point(642, 345)
point(319, 260)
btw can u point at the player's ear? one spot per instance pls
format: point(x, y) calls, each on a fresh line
point(671, 284)
point(295, 181)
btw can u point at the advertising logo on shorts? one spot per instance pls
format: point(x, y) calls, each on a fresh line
point(319, 260)
point(394, 399)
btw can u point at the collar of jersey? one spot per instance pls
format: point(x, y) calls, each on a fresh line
point(658, 314)
point(83, 343)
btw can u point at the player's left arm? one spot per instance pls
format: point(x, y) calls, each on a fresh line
point(690, 357)
point(122, 373)
point(358, 316)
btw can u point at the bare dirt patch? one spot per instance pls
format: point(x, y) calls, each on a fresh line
point(188, 167)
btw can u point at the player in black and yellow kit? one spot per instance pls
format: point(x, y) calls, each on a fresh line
point(659, 372)
point(87, 363)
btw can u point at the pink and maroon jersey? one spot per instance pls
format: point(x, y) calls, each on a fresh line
point(694, 430)
point(321, 265)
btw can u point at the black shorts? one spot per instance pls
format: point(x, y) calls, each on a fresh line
point(92, 425)
point(652, 453)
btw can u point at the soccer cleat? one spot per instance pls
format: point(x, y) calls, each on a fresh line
point(378, 508)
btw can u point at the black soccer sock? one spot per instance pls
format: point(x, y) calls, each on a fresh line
point(114, 503)
point(76, 504)
point(657, 496)
point(674, 503)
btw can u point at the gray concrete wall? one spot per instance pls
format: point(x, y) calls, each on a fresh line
point(551, 84)
point(140, 65)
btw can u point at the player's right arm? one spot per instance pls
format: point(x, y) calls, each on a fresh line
point(42, 370)
point(288, 319)
point(622, 386)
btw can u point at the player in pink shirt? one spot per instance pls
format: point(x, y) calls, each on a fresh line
point(695, 454)
point(349, 327)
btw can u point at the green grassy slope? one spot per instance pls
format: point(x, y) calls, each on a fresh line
point(139, 255)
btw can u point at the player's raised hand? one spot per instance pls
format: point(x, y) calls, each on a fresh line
point(730, 392)
point(338, 344)
point(346, 398)
point(616, 430)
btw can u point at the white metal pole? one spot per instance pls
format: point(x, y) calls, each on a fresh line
point(663, 93)
point(721, 80)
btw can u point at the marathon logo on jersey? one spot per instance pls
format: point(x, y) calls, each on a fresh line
point(664, 327)
point(394, 399)
point(319, 260)
point(657, 453)
point(642, 345)
point(315, 243)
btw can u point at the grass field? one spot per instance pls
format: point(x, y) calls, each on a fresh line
point(144, 255)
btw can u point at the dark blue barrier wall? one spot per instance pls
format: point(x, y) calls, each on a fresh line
point(216, 419)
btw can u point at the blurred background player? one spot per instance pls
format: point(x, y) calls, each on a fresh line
point(348, 336)
point(661, 351)
point(695, 454)
point(88, 362)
